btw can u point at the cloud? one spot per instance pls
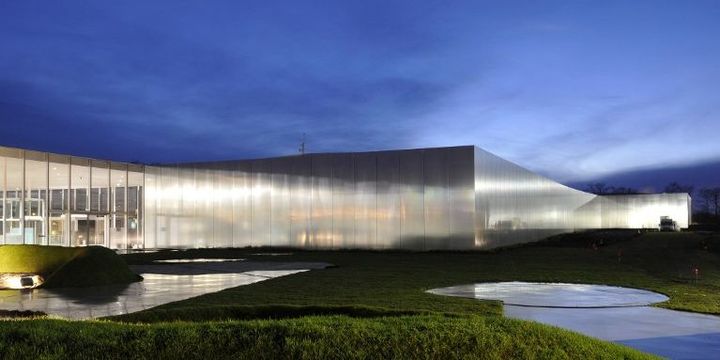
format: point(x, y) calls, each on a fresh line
point(553, 88)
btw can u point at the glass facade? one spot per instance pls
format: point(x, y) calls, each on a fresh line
point(456, 198)
point(50, 199)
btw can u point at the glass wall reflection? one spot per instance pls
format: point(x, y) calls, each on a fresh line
point(50, 199)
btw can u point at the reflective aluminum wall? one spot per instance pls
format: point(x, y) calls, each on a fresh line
point(643, 211)
point(425, 199)
point(514, 205)
point(409, 199)
point(456, 198)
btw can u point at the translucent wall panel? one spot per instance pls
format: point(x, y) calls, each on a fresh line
point(204, 208)
point(222, 208)
point(364, 200)
point(461, 198)
point(242, 206)
point(514, 205)
point(343, 197)
point(643, 211)
point(412, 203)
point(185, 212)
point(150, 208)
point(280, 202)
point(226, 202)
point(387, 206)
point(368, 200)
point(321, 218)
point(435, 198)
point(261, 197)
point(300, 188)
point(170, 198)
point(425, 199)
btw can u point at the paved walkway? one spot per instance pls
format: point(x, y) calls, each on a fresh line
point(162, 284)
point(668, 333)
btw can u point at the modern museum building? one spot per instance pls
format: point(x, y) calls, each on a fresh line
point(459, 198)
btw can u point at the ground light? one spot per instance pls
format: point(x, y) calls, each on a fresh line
point(20, 281)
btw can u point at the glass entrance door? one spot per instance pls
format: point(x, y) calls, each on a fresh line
point(97, 229)
point(89, 229)
point(79, 229)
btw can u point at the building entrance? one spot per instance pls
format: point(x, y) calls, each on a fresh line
point(90, 229)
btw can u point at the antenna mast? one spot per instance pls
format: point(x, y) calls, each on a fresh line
point(301, 149)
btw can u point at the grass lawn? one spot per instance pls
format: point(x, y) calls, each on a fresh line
point(396, 281)
point(374, 304)
point(325, 337)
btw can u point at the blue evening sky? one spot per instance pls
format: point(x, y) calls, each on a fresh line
point(572, 89)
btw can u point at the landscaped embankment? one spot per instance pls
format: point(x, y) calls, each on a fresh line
point(66, 266)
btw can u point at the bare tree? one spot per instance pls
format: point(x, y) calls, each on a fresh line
point(622, 190)
point(711, 196)
point(598, 188)
point(675, 187)
point(603, 189)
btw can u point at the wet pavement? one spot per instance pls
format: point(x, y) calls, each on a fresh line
point(668, 333)
point(162, 284)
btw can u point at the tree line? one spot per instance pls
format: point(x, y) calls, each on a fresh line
point(709, 197)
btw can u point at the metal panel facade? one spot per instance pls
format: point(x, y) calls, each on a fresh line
point(365, 200)
point(456, 198)
point(643, 211)
point(409, 199)
point(514, 205)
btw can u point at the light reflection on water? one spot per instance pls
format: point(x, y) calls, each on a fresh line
point(606, 312)
point(156, 289)
point(188, 261)
point(554, 294)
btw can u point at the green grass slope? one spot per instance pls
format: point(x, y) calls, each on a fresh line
point(93, 266)
point(67, 266)
point(327, 337)
point(35, 259)
point(397, 281)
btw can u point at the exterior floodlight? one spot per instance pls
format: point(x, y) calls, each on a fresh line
point(20, 281)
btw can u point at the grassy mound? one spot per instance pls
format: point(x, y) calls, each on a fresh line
point(67, 267)
point(328, 337)
point(35, 259)
point(93, 266)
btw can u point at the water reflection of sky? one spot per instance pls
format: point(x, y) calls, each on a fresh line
point(188, 261)
point(554, 294)
point(606, 312)
point(156, 289)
